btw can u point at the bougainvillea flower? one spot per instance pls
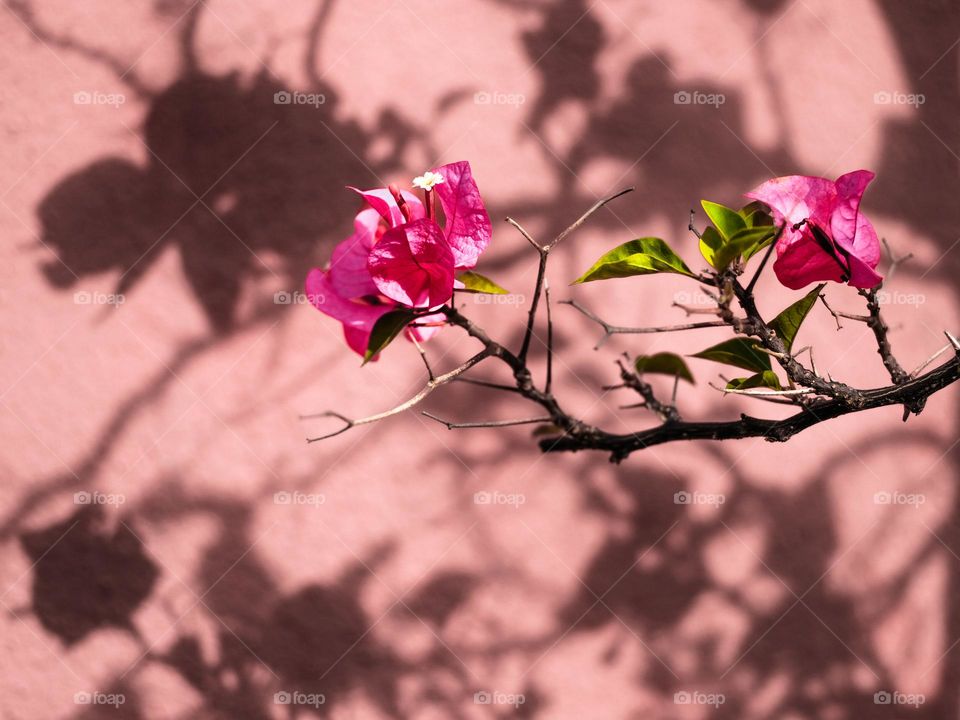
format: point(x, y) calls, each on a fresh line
point(409, 264)
point(826, 236)
point(401, 256)
point(413, 264)
point(467, 225)
point(356, 316)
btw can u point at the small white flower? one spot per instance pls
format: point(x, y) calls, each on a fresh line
point(428, 180)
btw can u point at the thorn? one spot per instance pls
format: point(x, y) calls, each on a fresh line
point(953, 341)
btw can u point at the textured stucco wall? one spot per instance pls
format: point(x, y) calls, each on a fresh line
point(184, 188)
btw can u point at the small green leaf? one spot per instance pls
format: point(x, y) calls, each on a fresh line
point(740, 352)
point(710, 242)
point(728, 222)
point(787, 324)
point(477, 283)
point(762, 244)
point(741, 242)
point(385, 330)
point(768, 379)
point(643, 256)
point(664, 363)
point(756, 214)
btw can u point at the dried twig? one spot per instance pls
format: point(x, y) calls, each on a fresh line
point(609, 330)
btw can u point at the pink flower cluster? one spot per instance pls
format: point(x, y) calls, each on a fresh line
point(401, 255)
point(826, 236)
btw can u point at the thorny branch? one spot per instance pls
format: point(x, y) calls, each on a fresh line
point(817, 399)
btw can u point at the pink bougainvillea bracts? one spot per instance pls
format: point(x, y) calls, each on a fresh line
point(826, 236)
point(401, 256)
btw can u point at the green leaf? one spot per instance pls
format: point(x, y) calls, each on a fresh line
point(768, 379)
point(787, 324)
point(742, 242)
point(643, 256)
point(727, 221)
point(762, 244)
point(664, 363)
point(756, 214)
point(385, 330)
point(710, 242)
point(740, 352)
point(477, 283)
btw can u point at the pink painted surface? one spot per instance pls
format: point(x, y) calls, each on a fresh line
point(383, 585)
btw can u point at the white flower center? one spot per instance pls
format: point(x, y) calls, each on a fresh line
point(428, 180)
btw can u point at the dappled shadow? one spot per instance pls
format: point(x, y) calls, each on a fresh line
point(241, 187)
point(87, 577)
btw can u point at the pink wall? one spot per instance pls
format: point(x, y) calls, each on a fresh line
point(197, 198)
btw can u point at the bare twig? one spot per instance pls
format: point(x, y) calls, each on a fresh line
point(487, 384)
point(586, 216)
point(690, 226)
point(544, 252)
point(838, 314)
point(525, 234)
point(953, 341)
point(423, 355)
point(930, 359)
point(895, 261)
point(792, 401)
point(431, 385)
point(666, 411)
point(609, 329)
point(546, 298)
point(766, 257)
point(897, 374)
point(487, 423)
point(768, 393)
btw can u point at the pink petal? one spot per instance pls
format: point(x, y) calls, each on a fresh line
point(382, 200)
point(357, 319)
point(804, 262)
point(348, 265)
point(467, 225)
point(413, 264)
point(866, 244)
point(422, 334)
point(862, 275)
point(798, 197)
point(853, 235)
